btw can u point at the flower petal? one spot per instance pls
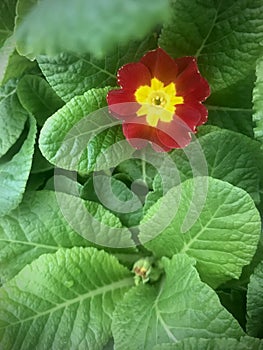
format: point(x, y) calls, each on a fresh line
point(161, 65)
point(122, 103)
point(175, 134)
point(138, 135)
point(190, 81)
point(200, 108)
point(189, 114)
point(133, 75)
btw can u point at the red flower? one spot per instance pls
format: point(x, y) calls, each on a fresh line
point(160, 100)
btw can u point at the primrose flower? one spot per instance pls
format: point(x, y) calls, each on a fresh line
point(160, 100)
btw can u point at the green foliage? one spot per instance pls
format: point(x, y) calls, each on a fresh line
point(171, 311)
point(37, 97)
point(87, 26)
point(89, 71)
point(257, 99)
point(224, 36)
point(12, 187)
point(76, 198)
point(62, 301)
point(255, 303)
point(245, 343)
point(221, 233)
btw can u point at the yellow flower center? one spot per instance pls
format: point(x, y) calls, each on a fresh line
point(158, 102)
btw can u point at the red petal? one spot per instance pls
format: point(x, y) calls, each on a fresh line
point(200, 108)
point(133, 75)
point(138, 135)
point(161, 65)
point(122, 103)
point(190, 114)
point(175, 134)
point(190, 81)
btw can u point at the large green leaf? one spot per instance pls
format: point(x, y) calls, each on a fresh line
point(12, 117)
point(76, 137)
point(62, 301)
point(225, 36)
point(14, 173)
point(230, 156)
point(258, 104)
point(181, 306)
point(38, 226)
point(219, 226)
point(7, 19)
point(90, 72)
point(255, 303)
point(86, 26)
point(38, 98)
point(245, 343)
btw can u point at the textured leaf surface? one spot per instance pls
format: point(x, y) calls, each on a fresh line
point(245, 343)
point(106, 23)
point(7, 19)
point(76, 136)
point(62, 301)
point(180, 307)
point(38, 98)
point(230, 156)
point(255, 303)
point(12, 117)
point(38, 226)
point(223, 238)
point(15, 172)
point(258, 104)
point(90, 72)
point(224, 36)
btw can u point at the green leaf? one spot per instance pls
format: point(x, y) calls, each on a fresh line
point(13, 117)
point(226, 48)
point(13, 65)
point(245, 343)
point(62, 301)
point(212, 221)
point(15, 172)
point(106, 22)
point(115, 196)
point(90, 72)
point(7, 19)
point(39, 226)
point(230, 156)
point(257, 100)
point(180, 307)
point(255, 303)
point(38, 98)
point(231, 108)
point(77, 136)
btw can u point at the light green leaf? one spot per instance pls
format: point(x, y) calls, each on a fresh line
point(245, 343)
point(77, 136)
point(212, 221)
point(7, 19)
point(38, 98)
point(39, 226)
point(62, 301)
point(226, 48)
point(86, 26)
point(90, 72)
point(257, 100)
point(255, 303)
point(12, 117)
point(15, 172)
point(181, 306)
point(230, 156)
